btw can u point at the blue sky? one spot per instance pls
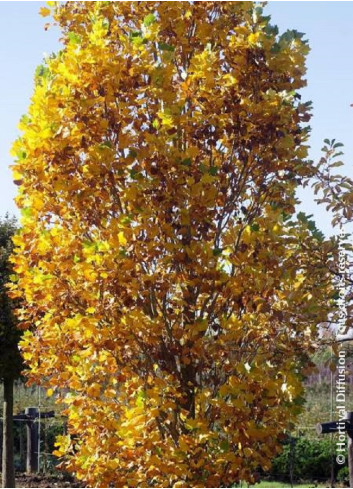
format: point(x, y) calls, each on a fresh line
point(328, 27)
point(23, 41)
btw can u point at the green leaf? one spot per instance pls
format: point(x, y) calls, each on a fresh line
point(41, 74)
point(301, 217)
point(271, 30)
point(318, 235)
point(105, 145)
point(135, 175)
point(149, 19)
point(21, 155)
point(25, 119)
point(217, 251)
point(140, 398)
point(224, 446)
point(126, 220)
point(204, 168)
point(74, 38)
point(26, 212)
point(42, 71)
point(213, 171)
point(136, 34)
point(137, 39)
point(165, 47)
point(276, 48)
point(291, 35)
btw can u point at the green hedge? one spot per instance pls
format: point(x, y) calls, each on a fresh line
point(310, 459)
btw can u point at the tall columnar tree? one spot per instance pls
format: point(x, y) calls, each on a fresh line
point(10, 358)
point(172, 288)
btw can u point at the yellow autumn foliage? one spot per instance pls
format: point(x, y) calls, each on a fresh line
point(160, 258)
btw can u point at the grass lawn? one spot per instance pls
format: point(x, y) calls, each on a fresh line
point(271, 484)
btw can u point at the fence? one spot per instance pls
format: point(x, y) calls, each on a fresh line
point(34, 437)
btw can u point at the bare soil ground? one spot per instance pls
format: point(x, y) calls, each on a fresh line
point(47, 481)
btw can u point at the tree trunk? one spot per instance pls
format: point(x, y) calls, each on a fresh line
point(350, 459)
point(8, 469)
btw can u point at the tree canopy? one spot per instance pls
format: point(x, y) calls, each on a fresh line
point(10, 358)
point(175, 293)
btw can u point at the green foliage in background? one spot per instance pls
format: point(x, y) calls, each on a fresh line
point(311, 460)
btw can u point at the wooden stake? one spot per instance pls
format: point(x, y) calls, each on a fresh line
point(8, 469)
point(32, 442)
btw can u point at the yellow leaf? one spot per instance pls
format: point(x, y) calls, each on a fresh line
point(167, 119)
point(44, 11)
point(122, 239)
point(253, 37)
point(94, 390)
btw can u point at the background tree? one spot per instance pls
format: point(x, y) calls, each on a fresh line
point(10, 358)
point(175, 294)
point(336, 192)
